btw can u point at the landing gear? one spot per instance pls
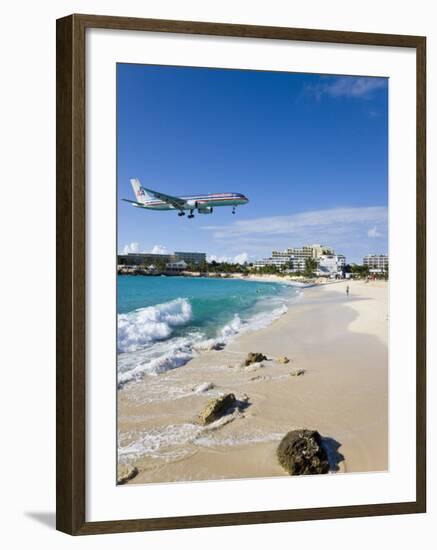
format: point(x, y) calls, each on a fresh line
point(191, 215)
point(233, 210)
point(181, 213)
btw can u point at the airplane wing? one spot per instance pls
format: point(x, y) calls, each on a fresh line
point(174, 201)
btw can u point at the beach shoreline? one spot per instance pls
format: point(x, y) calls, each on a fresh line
point(341, 344)
point(271, 278)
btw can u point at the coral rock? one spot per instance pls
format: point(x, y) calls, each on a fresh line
point(301, 453)
point(126, 472)
point(254, 357)
point(217, 407)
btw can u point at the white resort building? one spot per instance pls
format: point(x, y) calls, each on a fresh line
point(377, 263)
point(331, 264)
point(177, 266)
point(294, 259)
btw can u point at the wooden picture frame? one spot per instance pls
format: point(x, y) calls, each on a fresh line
point(71, 246)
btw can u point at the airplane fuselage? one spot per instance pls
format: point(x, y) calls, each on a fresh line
point(199, 202)
point(204, 204)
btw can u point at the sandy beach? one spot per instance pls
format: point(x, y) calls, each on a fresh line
point(341, 344)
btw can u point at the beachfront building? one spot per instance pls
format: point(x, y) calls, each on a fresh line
point(294, 259)
point(279, 262)
point(299, 255)
point(176, 266)
point(142, 259)
point(307, 251)
point(341, 261)
point(331, 265)
point(195, 258)
point(147, 258)
point(377, 263)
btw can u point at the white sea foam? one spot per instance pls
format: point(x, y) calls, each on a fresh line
point(169, 442)
point(153, 442)
point(237, 326)
point(170, 360)
point(146, 325)
point(231, 329)
point(156, 359)
point(256, 322)
point(215, 440)
point(264, 319)
point(138, 330)
point(165, 441)
point(163, 388)
point(203, 387)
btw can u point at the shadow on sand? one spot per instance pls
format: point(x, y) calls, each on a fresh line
point(331, 447)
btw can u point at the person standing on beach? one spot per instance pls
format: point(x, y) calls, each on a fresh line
point(347, 291)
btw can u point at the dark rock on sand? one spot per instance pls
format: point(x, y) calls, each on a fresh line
point(126, 472)
point(301, 453)
point(217, 407)
point(218, 346)
point(254, 357)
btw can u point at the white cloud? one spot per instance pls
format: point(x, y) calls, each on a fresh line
point(238, 259)
point(132, 247)
point(241, 258)
point(214, 258)
point(346, 86)
point(344, 229)
point(159, 249)
point(373, 233)
point(313, 224)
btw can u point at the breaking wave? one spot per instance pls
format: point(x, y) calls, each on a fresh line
point(145, 346)
point(149, 324)
point(170, 360)
point(256, 322)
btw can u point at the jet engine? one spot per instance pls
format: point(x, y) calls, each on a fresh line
point(205, 210)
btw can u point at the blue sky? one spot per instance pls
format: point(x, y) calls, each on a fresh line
point(309, 151)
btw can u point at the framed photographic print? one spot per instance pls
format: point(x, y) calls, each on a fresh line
point(240, 274)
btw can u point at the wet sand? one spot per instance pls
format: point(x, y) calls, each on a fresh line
point(339, 341)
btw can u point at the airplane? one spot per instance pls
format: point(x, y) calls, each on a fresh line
point(204, 204)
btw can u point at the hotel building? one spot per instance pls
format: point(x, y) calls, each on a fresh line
point(377, 263)
point(195, 258)
point(146, 258)
point(294, 259)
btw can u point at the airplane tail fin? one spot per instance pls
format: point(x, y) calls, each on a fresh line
point(141, 194)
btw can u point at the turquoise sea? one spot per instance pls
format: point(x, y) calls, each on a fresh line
point(164, 321)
